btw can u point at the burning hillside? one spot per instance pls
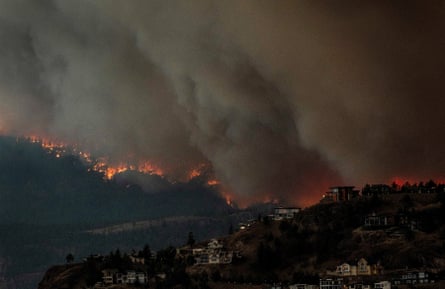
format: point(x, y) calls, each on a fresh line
point(100, 164)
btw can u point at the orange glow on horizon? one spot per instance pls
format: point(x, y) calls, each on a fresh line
point(400, 181)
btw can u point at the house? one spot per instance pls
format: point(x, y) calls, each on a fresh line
point(108, 276)
point(361, 269)
point(141, 278)
point(113, 276)
point(359, 286)
point(212, 254)
point(214, 244)
point(281, 213)
point(303, 286)
point(412, 278)
point(202, 259)
point(130, 278)
point(346, 270)
point(339, 194)
point(331, 283)
point(375, 220)
point(377, 189)
point(382, 285)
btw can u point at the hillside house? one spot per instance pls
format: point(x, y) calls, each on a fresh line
point(214, 253)
point(282, 213)
point(361, 269)
point(382, 285)
point(214, 245)
point(108, 276)
point(413, 278)
point(303, 286)
point(375, 220)
point(346, 270)
point(359, 286)
point(113, 276)
point(331, 283)
point(377, 189)
point(340, 194)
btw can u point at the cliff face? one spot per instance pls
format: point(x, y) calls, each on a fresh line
point(63, 277)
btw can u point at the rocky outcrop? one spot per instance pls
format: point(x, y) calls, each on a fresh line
point(63, 277)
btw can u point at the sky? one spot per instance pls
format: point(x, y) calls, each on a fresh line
point(282, 99)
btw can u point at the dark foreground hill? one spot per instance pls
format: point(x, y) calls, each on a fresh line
point(54, 205)
point(302, 249)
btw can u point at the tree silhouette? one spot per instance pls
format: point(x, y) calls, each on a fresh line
point(190, 239)
point(69, 258)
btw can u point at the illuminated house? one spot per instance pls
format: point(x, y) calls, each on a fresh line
point(213, 254)
point(339, 194)
point(361, 269)
point(382, 285)
point(112, 276)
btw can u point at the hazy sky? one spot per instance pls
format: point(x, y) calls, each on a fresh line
point(282, 98)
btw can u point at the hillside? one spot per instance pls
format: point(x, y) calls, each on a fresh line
point(39, 188)
point(302, 249)
point(51, 205)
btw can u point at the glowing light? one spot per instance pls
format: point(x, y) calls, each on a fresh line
point(213, 182)
point(228, 198)
point(148, 168)
point(194, 173)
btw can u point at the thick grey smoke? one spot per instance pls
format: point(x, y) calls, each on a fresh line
point(282, 98)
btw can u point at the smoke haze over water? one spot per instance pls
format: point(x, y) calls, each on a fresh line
point(282, 98)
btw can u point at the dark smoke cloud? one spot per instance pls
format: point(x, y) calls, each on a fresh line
point(282, 98)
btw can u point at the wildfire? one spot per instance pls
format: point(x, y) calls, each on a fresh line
point(101, 165)
point(202, 170)
point(110, 171)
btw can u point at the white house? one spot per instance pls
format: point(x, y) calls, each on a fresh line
point(285, 213)
point(303, 286)
point(382, 285)
point(331, 283)
point(361, 269)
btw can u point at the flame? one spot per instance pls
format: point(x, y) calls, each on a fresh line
point(199, 171)
point(213, 182)
point(194, 173)
point(102, 165)
point(110, 170)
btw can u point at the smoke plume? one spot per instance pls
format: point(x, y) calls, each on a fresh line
point(282, 98)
